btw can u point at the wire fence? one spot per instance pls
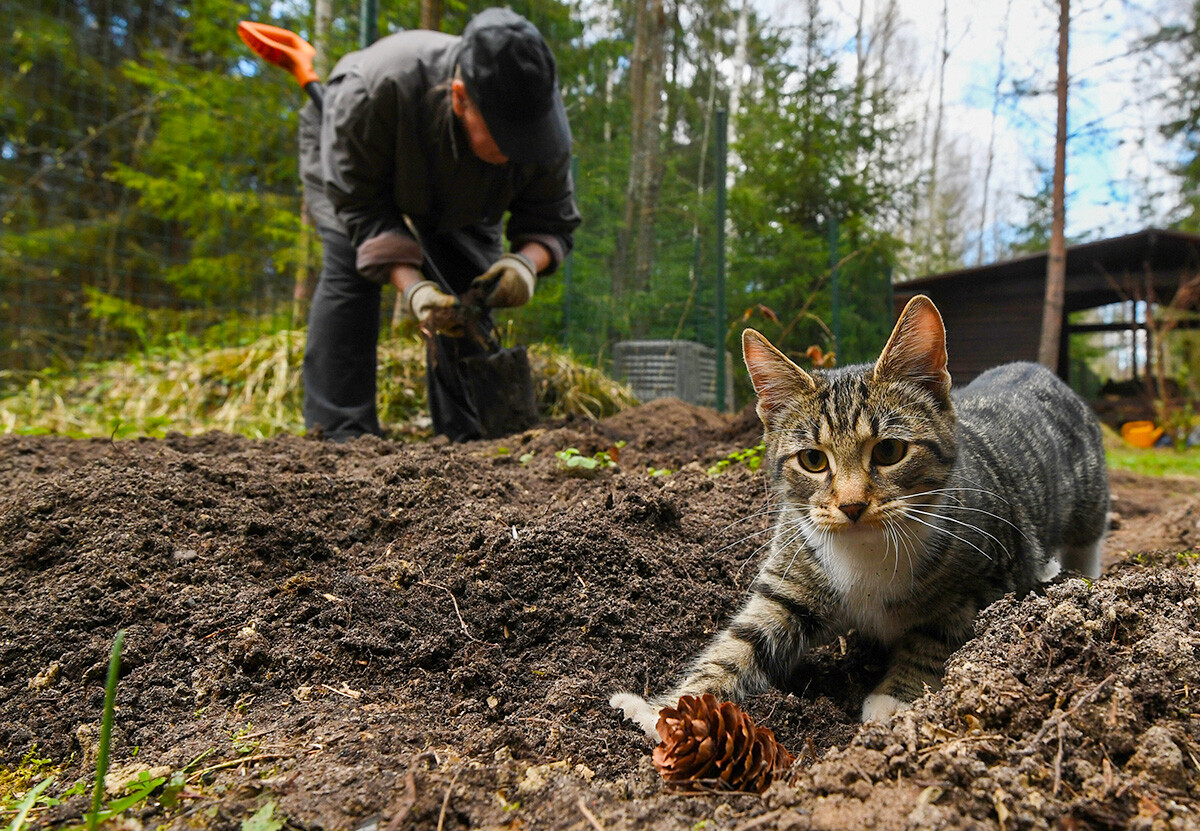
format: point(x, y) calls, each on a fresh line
point(145, 202)
point(149, 199)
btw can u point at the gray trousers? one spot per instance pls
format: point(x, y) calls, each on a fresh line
point(340, 354)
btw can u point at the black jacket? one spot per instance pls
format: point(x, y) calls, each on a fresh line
point(387, 145)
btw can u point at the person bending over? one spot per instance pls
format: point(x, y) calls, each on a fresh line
point(424, 142)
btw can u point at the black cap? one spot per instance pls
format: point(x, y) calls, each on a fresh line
point(510, 75)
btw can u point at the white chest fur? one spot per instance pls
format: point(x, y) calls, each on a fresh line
point(870, 568)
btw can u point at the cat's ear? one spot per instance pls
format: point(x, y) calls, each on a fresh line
point(917, 348)
point(776, 379)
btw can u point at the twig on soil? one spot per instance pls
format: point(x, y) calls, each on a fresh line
point(410, 790)
point(809, 754)
point(232, 763)
point(957, 740)
point(221, 631)
point(761, 819)
point(1057, 718)
point(446, 801)
point(258, 734)
point(1058, 757)
point(591, 818)
point(461, 622)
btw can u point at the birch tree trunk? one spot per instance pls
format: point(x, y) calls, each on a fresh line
point(931, 254)
point(1056, 262)
point(308, 270)
point(736, 82)
point(431, 15)
point(991, 147)
point(322, 14)
point(635, 248)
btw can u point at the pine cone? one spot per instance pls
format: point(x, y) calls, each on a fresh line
point(715, 744)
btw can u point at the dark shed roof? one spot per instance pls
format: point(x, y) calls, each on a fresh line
point(993, 313)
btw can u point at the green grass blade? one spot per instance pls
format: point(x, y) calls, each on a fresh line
point(27, 802)
point(110, 703)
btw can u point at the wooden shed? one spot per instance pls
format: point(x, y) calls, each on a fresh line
point(993, 313)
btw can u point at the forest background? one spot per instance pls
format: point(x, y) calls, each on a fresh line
point(149, 196)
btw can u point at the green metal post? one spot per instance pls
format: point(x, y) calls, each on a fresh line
point(722, 150)
point(835, 288)
point(368, 23)
point(569, 268)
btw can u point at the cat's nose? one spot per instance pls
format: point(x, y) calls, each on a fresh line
point(853, 510)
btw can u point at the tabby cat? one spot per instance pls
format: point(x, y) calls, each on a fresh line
point(902, 510)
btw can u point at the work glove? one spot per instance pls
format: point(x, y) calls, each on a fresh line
point(432, 308)
point(509, 282)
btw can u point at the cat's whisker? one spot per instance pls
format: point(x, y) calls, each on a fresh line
point(744, 538)
point(950, 533)
point(976, 486)
point(890, 537)
point(777, 528)
point(781, 528)
point(940, 490)
point(795, 530)
point(759, 515)
point(912, 544)
point(914, 510)
point(948, 491)
point(766, 512)
point(750, 557)
point(762, 513)
point(1005, 520)
point(807, 531)
point(786, 531)
point(911, 549)
point(894, 534)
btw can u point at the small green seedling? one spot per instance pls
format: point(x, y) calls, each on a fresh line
point(574, 462)
point(264, 819)
point(751, 457)
point(243, 741)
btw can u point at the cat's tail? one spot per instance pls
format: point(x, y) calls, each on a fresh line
point(638, 710)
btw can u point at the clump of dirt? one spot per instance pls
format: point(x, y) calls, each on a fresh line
point(384, 635)
point(1075, 708)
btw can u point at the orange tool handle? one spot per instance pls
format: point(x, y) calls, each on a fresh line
point(282, 48)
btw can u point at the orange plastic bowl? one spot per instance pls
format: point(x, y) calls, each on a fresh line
point(1141, 433)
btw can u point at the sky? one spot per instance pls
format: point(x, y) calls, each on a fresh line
point(1115, 153)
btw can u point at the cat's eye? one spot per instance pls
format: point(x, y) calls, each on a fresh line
point(812, 460)
point(889, 451)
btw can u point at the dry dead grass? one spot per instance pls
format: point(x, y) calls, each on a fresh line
point(255, 390)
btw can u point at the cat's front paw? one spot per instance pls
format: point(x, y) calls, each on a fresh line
point(881, 707)
point(638, 710)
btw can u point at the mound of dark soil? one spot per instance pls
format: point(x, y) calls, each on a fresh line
point(382, 635)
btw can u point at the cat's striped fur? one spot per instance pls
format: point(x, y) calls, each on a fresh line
point(902, 510)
